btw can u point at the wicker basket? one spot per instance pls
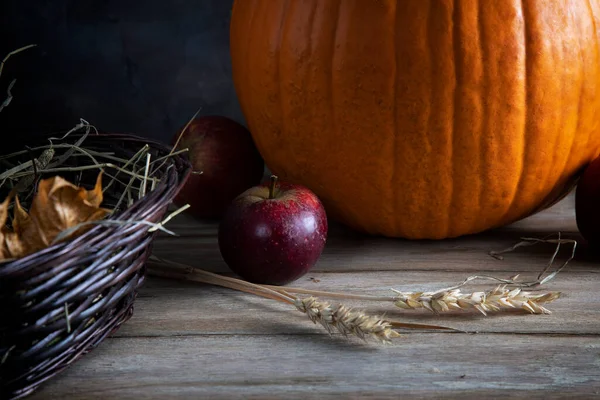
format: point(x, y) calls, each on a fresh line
point(59, 303)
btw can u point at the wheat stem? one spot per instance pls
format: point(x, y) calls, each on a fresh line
point(331, 295)
point(187, 272)
point(339, 317)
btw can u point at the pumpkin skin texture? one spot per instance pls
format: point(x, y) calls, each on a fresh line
point(422, 118)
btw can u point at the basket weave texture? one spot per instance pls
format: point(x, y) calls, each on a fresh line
point(61, 302)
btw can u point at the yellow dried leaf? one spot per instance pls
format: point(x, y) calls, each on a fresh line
point(15, 247)
point(24, 238)
point(11, 244)
point(5, 233)
point(4, 210)
point(21, 218)
point(57, 205)
point(94, 197)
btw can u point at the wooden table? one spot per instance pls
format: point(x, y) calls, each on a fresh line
point(192, 341)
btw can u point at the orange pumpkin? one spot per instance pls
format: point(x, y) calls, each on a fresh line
point(422, 118)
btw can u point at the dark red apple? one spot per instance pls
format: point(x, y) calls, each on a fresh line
point(273, 233)
point(225, 162)
point(587, 203)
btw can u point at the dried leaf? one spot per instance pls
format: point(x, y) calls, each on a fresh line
point(21, 218)
point(4, 210)
point(17, 242)
point(59, 205)
point(56, 206)
point(6, 235)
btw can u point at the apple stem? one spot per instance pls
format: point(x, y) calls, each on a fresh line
point(272, 186)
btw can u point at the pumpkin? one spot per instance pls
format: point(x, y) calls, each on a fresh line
point(422, 118)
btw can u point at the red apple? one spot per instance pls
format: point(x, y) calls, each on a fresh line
point(225, 162)
point(587, 203)
point(273, 233)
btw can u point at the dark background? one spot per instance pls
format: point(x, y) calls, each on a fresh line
point(134, 66)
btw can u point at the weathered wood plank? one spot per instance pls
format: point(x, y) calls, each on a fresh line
point(317, 366)
point(351, 251)
point(189, 340)
point(168, 307)
point(379, 254)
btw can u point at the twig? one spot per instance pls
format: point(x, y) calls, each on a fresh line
point(67, 232)
point(169, 217)
point(179, 137)
point(8, 173)
point(111, 176)
point(86, 167)
point(527, 241)
point(64, 157)
point(172, 153)
point(12, 53)
point(82, 123)
point(9, 96)
point(127, 190)
point(142, 191)
point(132, 161)
point(185, 129)
point(27, 181)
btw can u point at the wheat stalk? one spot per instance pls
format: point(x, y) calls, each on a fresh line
point(497, 299)
point(448, 300)
point(345, 320)
point(500, 298)
point(348, 321)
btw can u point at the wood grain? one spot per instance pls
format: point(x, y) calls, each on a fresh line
point(315, 366)
point(468, 255)
point(347, 251)
point(167, 308)
point(188, 340)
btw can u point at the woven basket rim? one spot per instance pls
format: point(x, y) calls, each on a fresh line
point(138, 205)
